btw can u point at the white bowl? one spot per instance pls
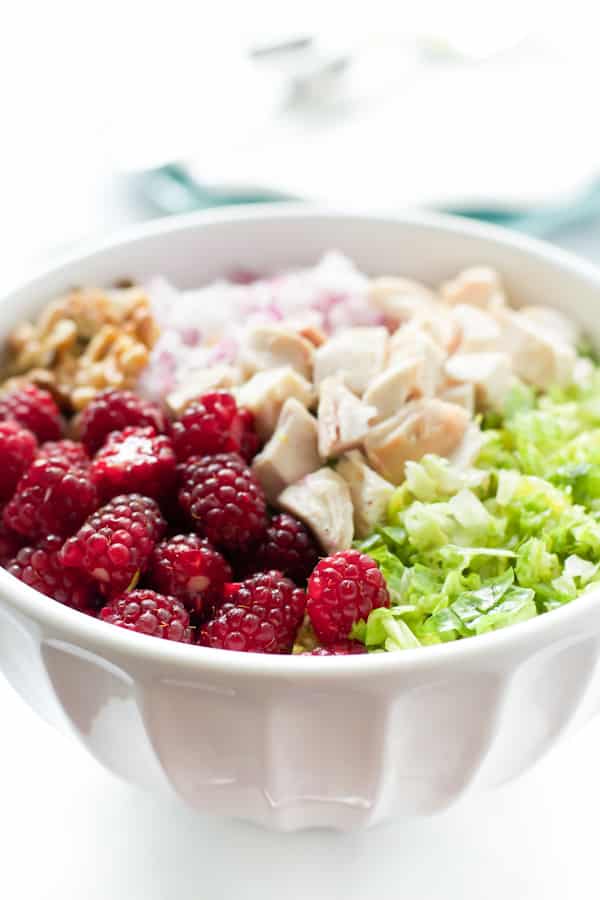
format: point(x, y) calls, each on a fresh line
point(287, 742)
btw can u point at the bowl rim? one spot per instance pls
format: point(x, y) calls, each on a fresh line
point(85, 631)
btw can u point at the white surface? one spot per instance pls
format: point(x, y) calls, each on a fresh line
point(69, 830)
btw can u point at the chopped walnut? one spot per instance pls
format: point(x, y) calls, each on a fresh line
point(82, 342)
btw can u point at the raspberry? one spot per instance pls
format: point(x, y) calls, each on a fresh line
point(52, 497)
point(17, 449)
point(71, 451)
point(249, 440)
point(223, 499)
point(343, 589)
point(288, 546)
point(214, 424)
point(115, 410)
point(339, 648)
point(189, 568)
point(135, 460)
point(35, 409)
point(149, 613)
point(259, 615)
point(40, 568)
point(115, 544)
point(10, 543)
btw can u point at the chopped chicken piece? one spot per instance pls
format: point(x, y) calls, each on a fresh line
point(272, 346)
point(411, 341)
point(553, 321)
point(343, 419)
point(407, 380)
point(405, 302)
point(399, 299)
point(291, 453)
point(308, 324)
point(438, 323)
point(199, 382)
point(425, 426)
point(266, 392)
point(370, 492)
point(314, 334)
point(359, 354)
point(538, 356)
point(478, 329)
point(461, 394)
point(469, 448)
point(490, 373)
point(476, 286)
point(322, 501)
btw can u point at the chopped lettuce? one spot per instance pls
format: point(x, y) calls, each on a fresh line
point(434, 478)
point(535, 564)
point(467, 551)
point(468, 615)
point(392, 568)
point(385, 629)
point(521, 398)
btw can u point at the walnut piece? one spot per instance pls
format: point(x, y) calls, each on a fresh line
point(85, 341)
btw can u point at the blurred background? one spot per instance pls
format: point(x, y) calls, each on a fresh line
point(113, 113)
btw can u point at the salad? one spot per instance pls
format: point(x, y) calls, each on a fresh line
point(315, 462)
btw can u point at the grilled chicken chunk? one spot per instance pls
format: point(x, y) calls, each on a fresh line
point(343, 419)
point(322, 501)
point(399, 299)
point(466, 453)
point(461, 394)
point(359, 354)
point(539, 356)
point(291, 453)
point(370, 492)
point(425, 426)
point(408, 379)
point(479, 330)
point(411, 341)
point(490, 374)
point(552, 320)
point(266, 392)
point(475, 286)
point(267, 347)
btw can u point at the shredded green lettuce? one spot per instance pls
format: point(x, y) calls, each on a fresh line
point(467, 551)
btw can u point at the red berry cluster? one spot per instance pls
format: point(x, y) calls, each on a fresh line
point(261, 614)
point(342, 590)
point(144, 522)
point(40, 567)
point(214, 424)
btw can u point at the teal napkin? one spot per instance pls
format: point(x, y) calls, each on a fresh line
point(172, 190)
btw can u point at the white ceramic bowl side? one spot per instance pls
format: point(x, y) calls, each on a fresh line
point(297, 742)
